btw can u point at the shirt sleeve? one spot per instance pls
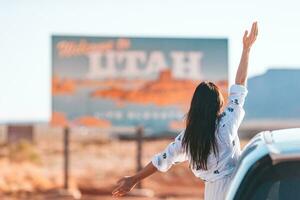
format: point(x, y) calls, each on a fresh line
point(234, 111)
point(173, 154)
point(237, 95)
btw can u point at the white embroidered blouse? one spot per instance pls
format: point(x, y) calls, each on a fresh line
point(227, 141)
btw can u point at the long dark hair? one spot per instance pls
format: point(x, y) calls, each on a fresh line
point(201, 122)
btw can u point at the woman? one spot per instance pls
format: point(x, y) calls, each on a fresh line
point(210, 141)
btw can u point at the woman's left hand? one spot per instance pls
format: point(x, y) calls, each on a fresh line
point(124, 185)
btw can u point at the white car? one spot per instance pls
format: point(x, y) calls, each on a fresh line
point(269, 168)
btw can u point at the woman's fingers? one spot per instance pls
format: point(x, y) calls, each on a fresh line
point(116, 190)
point(120, 190)
point(119, 193)
point(252, 28)
point(254, 34)
point(245, 35)
point(115, 194)
point(255, 31)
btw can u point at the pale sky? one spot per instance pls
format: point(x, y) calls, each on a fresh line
point(26, 28)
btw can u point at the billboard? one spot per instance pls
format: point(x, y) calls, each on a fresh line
point(108, 82)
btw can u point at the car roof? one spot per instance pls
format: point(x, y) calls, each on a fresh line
point(283, 144)
point(286, 135)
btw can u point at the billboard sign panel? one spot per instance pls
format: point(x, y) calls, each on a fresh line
point(124, 82)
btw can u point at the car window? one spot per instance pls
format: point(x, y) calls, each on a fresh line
point(266, 181)
point(279, 182)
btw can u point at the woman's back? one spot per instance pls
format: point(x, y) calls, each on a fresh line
point(227, 139)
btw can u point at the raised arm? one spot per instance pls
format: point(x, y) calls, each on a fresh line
point(248, 40)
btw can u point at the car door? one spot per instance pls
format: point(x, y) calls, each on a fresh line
point(266, 180)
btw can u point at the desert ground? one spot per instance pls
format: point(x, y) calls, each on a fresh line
point(35, 171)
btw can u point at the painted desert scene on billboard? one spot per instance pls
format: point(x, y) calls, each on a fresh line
point(128, 82)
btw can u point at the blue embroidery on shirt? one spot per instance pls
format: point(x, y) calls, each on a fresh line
point(223, 114)
point(216, 172)
point(236, 101)
point(230, 109)
point(233, 143)
point(164, 156)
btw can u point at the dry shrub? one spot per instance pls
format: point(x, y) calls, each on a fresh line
point(16, 177)
point(96, 141)
point(24, 151)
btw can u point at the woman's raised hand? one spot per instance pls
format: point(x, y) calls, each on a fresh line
point(249, 39)
point(124, 185)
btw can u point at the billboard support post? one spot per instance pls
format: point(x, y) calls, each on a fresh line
point(66, 157)
point(139, 141)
